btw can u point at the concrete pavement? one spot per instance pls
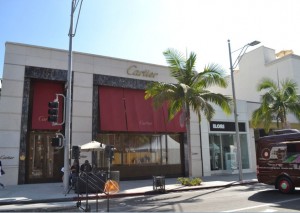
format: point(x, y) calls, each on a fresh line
point(15, 198)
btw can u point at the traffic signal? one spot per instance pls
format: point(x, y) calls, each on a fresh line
point(56, 142)
point(53, 111)
point(109, 152)
point(75, 152)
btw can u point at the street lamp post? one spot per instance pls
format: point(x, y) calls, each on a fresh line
point(233, 66)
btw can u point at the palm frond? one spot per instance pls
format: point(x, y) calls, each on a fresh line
point(278, 100)
point(190, 89)
point(211, 75)
point(267, 83)
point(190, 66)
point(176, 63)
point(161, 92)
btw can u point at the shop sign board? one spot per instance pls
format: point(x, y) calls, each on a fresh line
point(222, 126)
point(134, 70)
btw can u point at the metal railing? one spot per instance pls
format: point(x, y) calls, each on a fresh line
point(88, 182)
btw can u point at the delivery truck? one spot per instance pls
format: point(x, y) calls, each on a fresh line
point(278, 160)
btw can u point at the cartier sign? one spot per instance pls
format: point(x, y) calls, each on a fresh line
point(6, 157)
point(133, 70)
point(145, 123)
point(43, 118)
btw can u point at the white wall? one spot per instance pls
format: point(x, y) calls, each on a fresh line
point(262, 63)
point(10, 117)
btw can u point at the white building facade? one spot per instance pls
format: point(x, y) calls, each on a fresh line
point(102, 87)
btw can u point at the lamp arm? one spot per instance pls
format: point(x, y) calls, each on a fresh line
point(238, 59)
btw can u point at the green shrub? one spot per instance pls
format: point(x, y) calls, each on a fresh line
point(185, 181)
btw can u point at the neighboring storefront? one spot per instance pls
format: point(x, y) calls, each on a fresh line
point(222, 146)
point(108, 106)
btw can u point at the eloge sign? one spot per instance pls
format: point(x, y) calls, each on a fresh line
point(226, 126)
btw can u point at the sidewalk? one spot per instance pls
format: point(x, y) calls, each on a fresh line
point(18, 195)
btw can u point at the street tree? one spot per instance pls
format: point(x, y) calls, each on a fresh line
point(191, 91)
point(277, 102)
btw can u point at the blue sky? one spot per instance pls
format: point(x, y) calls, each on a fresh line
point(141, 30)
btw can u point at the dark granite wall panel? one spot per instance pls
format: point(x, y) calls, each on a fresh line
point(32, 73)
point(24, 129)
point(46, 73)
point(95, 118)
point(120, 82)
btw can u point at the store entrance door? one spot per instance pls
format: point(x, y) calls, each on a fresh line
point(44, 162)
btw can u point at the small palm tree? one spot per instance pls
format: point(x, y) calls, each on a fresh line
point(190, 91)
point(279, 100)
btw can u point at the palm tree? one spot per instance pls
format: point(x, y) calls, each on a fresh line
point(279, 100)
point(190, 91)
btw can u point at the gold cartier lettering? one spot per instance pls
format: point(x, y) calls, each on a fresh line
point(42, 118)
point(6, 157)
point(145, 123)
point(133, 70)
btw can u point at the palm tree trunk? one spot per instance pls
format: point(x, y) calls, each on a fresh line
point(188, 159)
point(201, 148)
point(188, 149)
point(286, 125)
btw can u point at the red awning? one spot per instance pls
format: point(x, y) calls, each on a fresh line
point(138, 113)
point(112, 111)
point(43, 93)
point(158, 119)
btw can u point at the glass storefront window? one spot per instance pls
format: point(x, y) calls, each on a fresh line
point(244, 151)
point(141, 149)
point(173, 149)
point(215, 152)
point(228, 152)
point(223, 151)
point(44, 162)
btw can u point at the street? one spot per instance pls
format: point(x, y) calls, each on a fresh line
point(250, 198)
point(247, 198)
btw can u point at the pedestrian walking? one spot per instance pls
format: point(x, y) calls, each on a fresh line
point(1, 173)
point(74, 172)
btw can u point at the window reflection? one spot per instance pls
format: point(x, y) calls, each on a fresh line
point(41, 155)
point(141, 149)
point(222, 149)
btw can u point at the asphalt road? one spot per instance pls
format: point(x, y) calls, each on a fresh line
point(251, 198)
point(248, 198)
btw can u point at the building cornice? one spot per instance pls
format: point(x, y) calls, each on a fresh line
point(284, 58)
point(86, 54)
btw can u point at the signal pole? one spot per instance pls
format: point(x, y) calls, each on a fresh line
point(69, 97)
point(68, 107)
